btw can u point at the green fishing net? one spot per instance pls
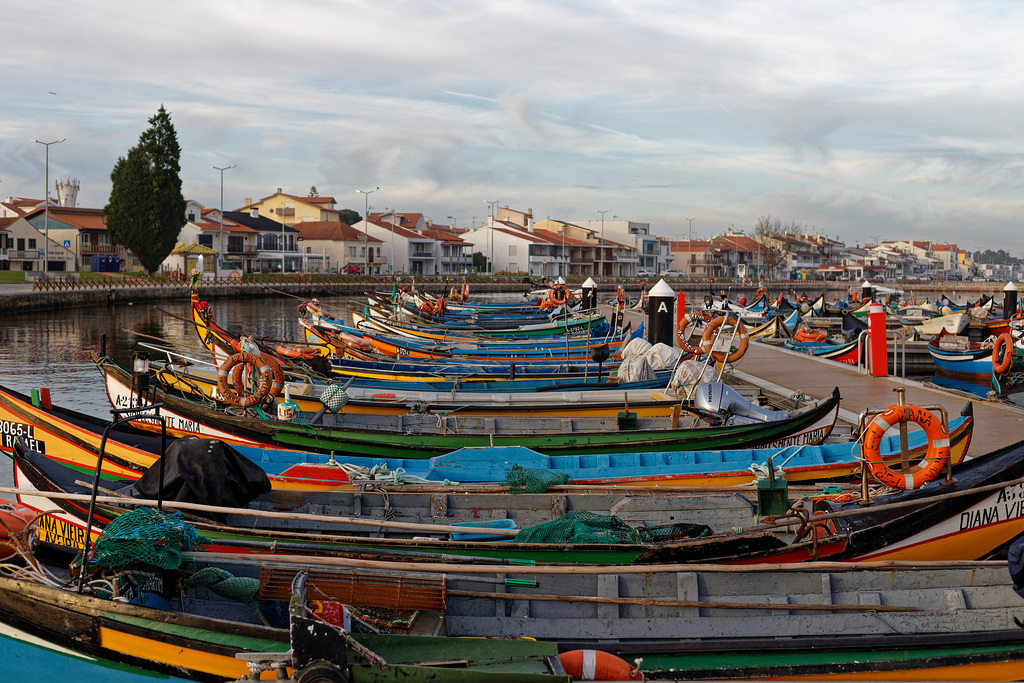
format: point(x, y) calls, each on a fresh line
point(525, 480)
point(581, 526)
point(145, 535)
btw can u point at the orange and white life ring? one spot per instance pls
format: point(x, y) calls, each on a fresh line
point(711, 332)
point(810, 335)
point(559, 294)
point(441, 306)
point(934, 460)
point(1002, 354)
point(761, 292)
point(239, 398)
point(596, 665)
point(297, 352)
point(683, 334)
point(465, 291)
point(275, 368)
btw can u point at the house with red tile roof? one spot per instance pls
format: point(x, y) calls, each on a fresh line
point(332, 246)
point(694, 258)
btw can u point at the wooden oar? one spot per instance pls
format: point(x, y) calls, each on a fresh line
point(438, 528)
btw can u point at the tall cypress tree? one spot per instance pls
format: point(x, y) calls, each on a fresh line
point(146, 210)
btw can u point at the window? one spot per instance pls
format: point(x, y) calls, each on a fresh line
point(205, 240)
point(352, 252)
point(512, 249)
point(31, 244)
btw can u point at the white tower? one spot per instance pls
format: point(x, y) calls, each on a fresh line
point(67, 192)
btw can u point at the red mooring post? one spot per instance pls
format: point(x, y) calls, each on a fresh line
point(878, 345)
point(680, 306)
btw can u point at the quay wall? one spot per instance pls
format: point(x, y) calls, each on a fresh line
point(23, 299)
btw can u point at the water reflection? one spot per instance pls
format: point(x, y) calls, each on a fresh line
point(979, 386)
point(52, 348)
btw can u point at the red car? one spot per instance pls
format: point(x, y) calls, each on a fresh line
point(353, 269)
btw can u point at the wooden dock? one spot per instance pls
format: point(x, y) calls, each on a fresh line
point(779, 371)
point(786, 372)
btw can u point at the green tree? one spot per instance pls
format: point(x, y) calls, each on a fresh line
point(146, 209)
point(349, 217)
point(479, 261)
point(313, 192)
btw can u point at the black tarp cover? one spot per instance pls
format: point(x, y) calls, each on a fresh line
point(205, 471)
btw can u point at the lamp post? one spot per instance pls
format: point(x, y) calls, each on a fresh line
point(366, 219)
point(689, 246)
point(46, 206)
point(220, 245)
point(491, 206)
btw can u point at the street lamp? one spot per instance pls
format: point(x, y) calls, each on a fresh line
point(600, 261)
point(689, 246)
point(220, 245)
point(491, 206)
point(46, 206)
point(366, 220)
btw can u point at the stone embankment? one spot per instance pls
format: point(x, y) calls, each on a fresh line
point(22, 298)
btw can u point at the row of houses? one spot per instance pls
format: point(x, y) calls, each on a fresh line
point(291, 233)
point(733, 254)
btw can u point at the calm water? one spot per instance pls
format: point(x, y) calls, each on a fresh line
point(52, 348)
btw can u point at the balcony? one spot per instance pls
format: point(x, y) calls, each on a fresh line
point(240, 250)
point(89, 248)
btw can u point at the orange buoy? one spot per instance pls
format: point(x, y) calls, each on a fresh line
point(14, 521)
point(595, 665)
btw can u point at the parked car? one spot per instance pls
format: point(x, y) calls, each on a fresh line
point(644, 272)
point(671, 273)
point(353, 269)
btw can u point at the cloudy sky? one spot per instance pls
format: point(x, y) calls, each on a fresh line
point(862, 120)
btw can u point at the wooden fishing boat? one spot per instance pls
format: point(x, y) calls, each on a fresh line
point(951, 324)
point(841, 352)
point(93, 635)
point(819, 622)
point(956, 518)
point(796, 464)
point(574, 324)
point(566, 398)
point(74, 439)
point(436, 436)
point(957, 355)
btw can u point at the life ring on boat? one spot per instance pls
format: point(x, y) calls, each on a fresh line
point(297, 352)
point(692, 318)
point(934, 459)
point(559, 295)
point(427, 307)
point(547, 305)
point(15, 520)
point(707, 340)
point(239, 398)
point(441, 306)
point(596, 665)
point(805, 335)
point(1002, 354)
point(275, 368)
point(465, 292)
point(761, 292)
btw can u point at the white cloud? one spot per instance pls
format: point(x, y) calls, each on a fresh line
point(894, 118)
